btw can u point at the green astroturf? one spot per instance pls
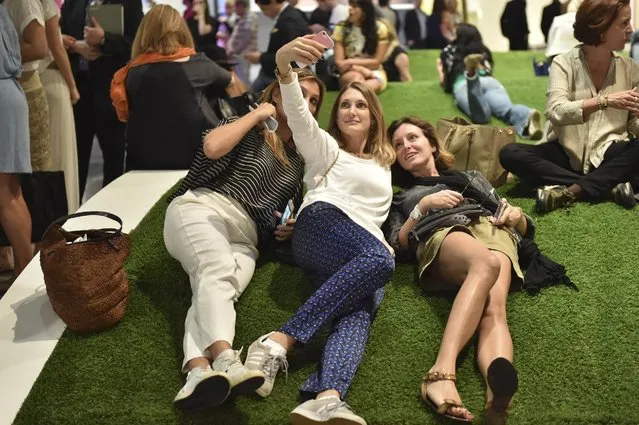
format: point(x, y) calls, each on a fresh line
point(577, 352)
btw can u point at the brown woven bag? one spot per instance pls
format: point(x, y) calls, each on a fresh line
point(85, 280)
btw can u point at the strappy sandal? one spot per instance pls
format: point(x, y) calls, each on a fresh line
point(442, 409)
point(503, 382)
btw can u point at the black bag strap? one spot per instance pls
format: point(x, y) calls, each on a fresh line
point(112, 232)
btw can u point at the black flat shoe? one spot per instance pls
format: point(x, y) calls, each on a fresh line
point(503, 382)
point(624, 195)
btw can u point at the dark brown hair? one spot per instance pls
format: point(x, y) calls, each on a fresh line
point(594, 17)
point(444, 160)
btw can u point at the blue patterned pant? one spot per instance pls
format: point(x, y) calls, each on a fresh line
point(350, 268)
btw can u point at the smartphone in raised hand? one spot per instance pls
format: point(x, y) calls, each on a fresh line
point(322, 38)
point(270, 123)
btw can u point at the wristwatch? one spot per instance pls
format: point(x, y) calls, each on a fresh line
point(416, 213)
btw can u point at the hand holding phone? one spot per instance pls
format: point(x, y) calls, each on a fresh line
point(322, 38)
point(499, 210)
point(270, 123)
point(288, 213)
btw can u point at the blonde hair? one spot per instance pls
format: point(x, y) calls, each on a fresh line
point(377, 144)
point(162, 31)
point(276, 144)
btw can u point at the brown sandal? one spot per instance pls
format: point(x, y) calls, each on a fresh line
point(442, 409)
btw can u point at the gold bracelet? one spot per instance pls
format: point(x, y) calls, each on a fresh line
point(286, 76)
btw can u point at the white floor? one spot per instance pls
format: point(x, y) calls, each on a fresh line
point(29, 328)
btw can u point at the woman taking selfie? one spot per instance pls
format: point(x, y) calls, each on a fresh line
point(224, 209)
point(338, 241)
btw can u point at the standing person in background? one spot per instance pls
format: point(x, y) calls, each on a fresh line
point(327, 15)
point(202, 26)
point(288, 26)
point(384, 11)
point(62, 94)
point(95, 56)
point(548, 15)
point(14, 146)
point(415, 27)
point(439, 26)
point(514, 24)
point(243, 39)
point(28, 19)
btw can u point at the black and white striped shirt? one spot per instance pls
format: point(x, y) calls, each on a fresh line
point(252, 175)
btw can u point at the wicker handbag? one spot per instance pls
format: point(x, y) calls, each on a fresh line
point(85, 279)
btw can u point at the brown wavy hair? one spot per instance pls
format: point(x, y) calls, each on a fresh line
point(277, 144)
point(162, 30)
point(377, 145)
point(594, 17)
point(444, 160)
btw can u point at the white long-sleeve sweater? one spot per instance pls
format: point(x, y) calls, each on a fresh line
point(361, 188)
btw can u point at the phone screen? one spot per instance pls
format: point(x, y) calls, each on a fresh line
point(288, 212)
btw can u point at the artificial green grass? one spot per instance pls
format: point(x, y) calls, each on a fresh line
point(577, 352)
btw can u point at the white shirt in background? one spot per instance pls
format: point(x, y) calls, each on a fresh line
point(22, 13)
point(50, 10)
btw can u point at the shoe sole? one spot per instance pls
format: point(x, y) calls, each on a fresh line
point(503, 382)
point(625, 196)
point(535, 125)
point(248, 386)
point(211, 392)
point(299, 419)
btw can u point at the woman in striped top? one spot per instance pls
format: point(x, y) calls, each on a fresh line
point(337, 240)
point(223, 210)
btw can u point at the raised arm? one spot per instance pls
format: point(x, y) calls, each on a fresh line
point(311, 141)
point(222, 139)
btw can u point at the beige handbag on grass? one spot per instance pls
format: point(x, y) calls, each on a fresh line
point(476, 147)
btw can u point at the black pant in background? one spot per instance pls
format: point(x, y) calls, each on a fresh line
point(548, 164)
point(94, 116)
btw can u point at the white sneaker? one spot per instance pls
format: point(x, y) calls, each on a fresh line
point(326, 410)
point(243, 380)
point(203, 388)
point(268, 358)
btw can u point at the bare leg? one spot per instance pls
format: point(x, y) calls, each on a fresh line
point(15, 220)
point(494, 336)
point(349, 77)
point(402, 64)
point(466, 262)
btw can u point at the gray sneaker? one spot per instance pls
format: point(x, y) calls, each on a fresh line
point(242, 379)
point(268, 360)
point(326, 410)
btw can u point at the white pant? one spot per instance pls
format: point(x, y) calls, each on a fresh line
point(215, 240)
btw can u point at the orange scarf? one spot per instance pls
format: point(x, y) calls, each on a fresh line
point(118, 88)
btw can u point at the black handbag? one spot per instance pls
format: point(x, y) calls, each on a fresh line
point(436, 220)
point(46, 197)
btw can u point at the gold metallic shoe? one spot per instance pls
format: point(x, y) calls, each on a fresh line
point(443, 408)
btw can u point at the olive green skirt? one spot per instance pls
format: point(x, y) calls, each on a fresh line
point(491, 236)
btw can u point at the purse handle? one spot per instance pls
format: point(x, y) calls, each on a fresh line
point(115, 232)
